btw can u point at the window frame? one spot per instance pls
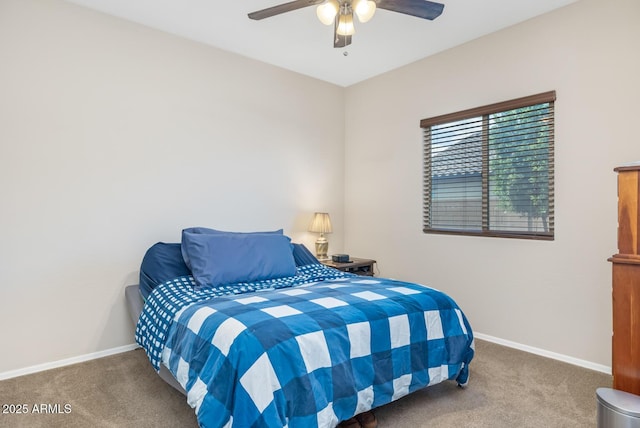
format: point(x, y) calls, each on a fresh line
point(484, 111)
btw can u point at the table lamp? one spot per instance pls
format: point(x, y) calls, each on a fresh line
point(321, 224)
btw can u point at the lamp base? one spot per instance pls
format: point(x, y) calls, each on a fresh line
point(322, 247)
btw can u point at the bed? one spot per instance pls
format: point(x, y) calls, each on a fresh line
point(301, 345)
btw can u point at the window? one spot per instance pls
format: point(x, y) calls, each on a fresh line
point(488, 171)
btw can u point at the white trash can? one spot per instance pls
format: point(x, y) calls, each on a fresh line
point(617, 409)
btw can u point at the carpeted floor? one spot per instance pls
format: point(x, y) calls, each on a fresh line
point(507, 388)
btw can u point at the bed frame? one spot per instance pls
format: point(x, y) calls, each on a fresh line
point(135, 304)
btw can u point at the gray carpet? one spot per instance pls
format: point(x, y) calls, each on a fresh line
point(507, 388)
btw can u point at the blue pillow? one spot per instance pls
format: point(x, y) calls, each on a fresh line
point(228, 258)
point(303, 256)
point(161, 263)
point(205, 230)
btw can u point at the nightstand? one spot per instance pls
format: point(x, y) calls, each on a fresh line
point(357, 266)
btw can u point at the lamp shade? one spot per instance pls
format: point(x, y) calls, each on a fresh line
point(365, 9)
point(345, 25)
point(327, 12)
point(321, 223)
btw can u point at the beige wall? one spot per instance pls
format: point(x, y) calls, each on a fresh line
point(554, 296)
point(113, 137)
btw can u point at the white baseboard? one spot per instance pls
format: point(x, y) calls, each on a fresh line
point(66, 362)
point(82, 358)
point(544, 353)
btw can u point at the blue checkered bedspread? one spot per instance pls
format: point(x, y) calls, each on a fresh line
point(303, 352)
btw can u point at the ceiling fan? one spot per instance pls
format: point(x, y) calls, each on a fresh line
point(340, 13)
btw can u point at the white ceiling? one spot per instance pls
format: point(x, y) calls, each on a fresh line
point(298, 41)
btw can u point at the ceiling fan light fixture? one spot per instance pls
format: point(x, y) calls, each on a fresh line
point(339, 13)
point(327, 12)
point(345, 25)
point(365, 9)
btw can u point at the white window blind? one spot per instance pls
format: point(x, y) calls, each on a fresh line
point(489, 170)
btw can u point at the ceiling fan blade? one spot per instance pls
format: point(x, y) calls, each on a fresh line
point(282, 8)
point(420, 8)
point(338, 40)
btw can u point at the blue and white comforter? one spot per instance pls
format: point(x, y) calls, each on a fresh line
point(308, 351)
